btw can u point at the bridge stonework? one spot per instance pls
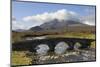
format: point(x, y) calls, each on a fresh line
point(31, 45)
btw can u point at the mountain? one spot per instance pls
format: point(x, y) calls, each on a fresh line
point(36, 28)
point(19, 30)
point(59, 26)
point(56, 24)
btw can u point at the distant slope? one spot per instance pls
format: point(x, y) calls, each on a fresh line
point(56, 24)
point(60, 26)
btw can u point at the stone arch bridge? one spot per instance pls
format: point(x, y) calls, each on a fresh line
point(30, 45)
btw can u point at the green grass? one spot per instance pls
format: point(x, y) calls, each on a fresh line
point(19, 58)
point(16, 37)
point(93, 45)
point(74, 35)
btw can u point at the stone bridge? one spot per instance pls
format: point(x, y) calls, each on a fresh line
point(31, 45)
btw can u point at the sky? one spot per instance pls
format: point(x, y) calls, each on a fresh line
point(29, 14)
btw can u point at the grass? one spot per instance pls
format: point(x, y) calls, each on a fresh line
point(75, 35)
point(93, 45)
point(17, 36)
point(20, 58)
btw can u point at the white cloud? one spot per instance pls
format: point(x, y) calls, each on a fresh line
point(62, 14)
point(16, 24)
point(89, 19)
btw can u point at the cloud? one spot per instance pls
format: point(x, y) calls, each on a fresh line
point(62, 14)
point(89, 19)
point(16, 24)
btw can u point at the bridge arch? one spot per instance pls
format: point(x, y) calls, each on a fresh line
point(42, 49)
point(61, 47)
point(77, 45)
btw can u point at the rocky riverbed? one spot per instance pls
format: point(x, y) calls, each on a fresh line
point(68, 56)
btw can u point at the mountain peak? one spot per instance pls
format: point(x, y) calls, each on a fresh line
point(57, 25)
